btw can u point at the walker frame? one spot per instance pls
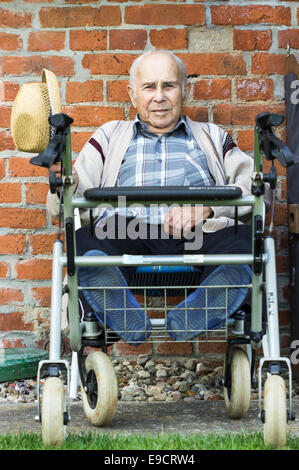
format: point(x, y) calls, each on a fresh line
point(262, 261)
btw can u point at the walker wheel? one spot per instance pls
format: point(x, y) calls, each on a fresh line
point(275, 412)
point(237, 393)
point(100, 399)
point(52, 411)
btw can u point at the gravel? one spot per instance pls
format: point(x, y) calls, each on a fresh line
point(147, 379)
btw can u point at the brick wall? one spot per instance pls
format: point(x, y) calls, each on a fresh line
point(234, 52)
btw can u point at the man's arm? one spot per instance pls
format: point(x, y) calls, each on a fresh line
point(87, 172)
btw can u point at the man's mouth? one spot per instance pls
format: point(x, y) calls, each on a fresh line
point(160, 111)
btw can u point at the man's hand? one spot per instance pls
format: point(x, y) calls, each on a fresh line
point(180, 220)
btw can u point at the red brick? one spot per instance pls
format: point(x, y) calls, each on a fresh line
point(14, 321)
point(222, 113)
point(108, 64)
point(170, 38)
point(280, 215)
point(124, 349)
point(243, 115)
point(217, 89)
point(289, 36)
point(214, 64)
point(122, 1)
point(61, 66)
point(211, 347)
point(246, 140)
point(197, 113)
point(250, 14)
point(13, 217)
point(2, 167)
point(34, 269)
point(14, 19)
point(3, 269)
point(80, 1)
point(36, 193)
point(12, 243)
point(13, 343)
point(42, 243)
point(19, 166)
point(10, 296)
point(249, 40)
point(127, 39)
point(6, 141)
point(84, 92)
point(165, 14)
point(55, 17)
point(8, 91)
point(42, 296)
point(46, 41)
point(177, 349)
point(268, 63)
point(117, 91)
point(88, 40)
point(5, 113)
point(79, 139)
point(251, 90)
point(93, 116)
point(283, 189)
point(132, 112)
point(10, 192)
point(10, 42)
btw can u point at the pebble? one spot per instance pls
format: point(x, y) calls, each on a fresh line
point(147, 379)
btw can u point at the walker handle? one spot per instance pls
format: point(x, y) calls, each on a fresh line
point(271, 145)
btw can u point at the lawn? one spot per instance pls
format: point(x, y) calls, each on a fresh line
point(155, 442)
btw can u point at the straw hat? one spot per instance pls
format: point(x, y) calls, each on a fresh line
point(33, 105)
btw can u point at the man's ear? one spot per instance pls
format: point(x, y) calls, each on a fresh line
point(131, 95)
point(187, 92)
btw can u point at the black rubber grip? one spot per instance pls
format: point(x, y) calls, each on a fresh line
point(154, 193)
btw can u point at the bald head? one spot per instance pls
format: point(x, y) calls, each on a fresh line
point(156, 89)
point(152, 54)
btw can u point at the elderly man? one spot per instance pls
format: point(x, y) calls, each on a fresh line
point(162, 147)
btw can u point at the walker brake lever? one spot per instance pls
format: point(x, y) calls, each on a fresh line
point(56, 147)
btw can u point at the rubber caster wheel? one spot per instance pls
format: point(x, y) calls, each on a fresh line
point(100, 398)
point(237, 393)
point(275, 412)
point(52, 411)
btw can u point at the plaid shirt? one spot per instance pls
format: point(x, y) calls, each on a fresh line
point(171, 159)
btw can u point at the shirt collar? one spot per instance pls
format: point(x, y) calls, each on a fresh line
point(139, 125)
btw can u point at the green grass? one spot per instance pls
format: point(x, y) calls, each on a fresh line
point(162, 441)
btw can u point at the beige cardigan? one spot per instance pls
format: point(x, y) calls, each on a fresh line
point(114, 138)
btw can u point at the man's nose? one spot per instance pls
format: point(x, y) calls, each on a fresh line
point(159, 95)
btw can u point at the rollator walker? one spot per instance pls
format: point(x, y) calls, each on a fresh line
point(244, 334)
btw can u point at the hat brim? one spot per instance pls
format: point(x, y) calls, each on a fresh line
point(50, 79)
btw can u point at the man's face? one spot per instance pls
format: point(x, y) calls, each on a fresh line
point(158, 97)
